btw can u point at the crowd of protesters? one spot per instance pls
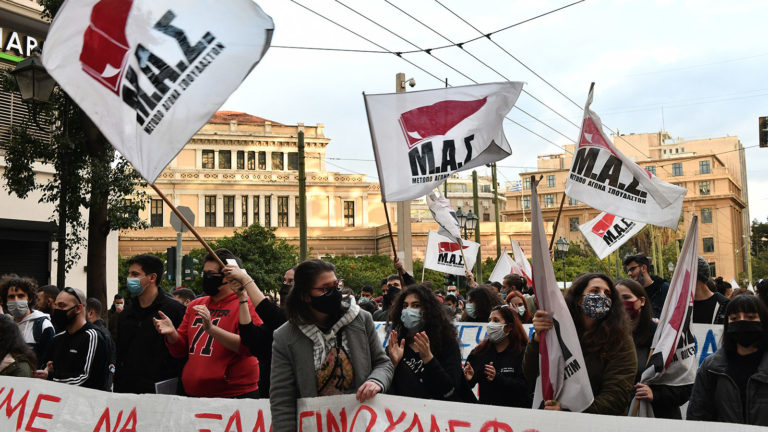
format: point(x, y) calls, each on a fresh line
point(320, 339)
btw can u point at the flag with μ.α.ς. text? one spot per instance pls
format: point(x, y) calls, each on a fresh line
point(607, 232)
point(605, 179)
point(673, 351)
point(562, 372)
point(445, 255)
point(420, 138)
point(151, 73)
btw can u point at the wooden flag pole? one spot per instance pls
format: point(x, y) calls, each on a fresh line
point(389, 226)
point(557, 222)
point(191, 228)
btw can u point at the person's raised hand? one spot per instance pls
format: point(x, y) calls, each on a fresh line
point(643, 392)
point(490, 371)
point(396, 350)
point(368, 390)
point(205, 314)
point(542, 321)
point(164, 325)
point(468, 372)
point(421, 346)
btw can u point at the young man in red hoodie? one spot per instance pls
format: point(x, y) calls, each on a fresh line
point(218, 365)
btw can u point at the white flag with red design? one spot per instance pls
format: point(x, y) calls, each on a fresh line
point(443, 254)
point(444, 216)
point(604, 178)
point(151, 73)
point(522, 262)
point(607, 232)
point(504, 265)
point(420, 138)
point(673, 358)
point(562, 372)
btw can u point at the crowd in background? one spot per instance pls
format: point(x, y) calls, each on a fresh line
point(319, 338)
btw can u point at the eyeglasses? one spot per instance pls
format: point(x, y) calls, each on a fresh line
point(71, 291)
point(328, 288)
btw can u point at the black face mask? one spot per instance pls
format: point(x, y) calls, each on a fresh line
point(211, 284)
point(328, 303)
point(60, 318)
point(284, 290)
point(392, 292)
point(746, 333)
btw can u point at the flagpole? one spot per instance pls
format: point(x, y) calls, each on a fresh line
point(389, 226)
point(557, 221)
point(189, 225)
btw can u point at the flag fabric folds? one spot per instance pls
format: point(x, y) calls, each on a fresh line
point(444, 216)
point(604, 178)
point(151, 73)
point(420, 138)
point(607, 232)
point(522, 262)
point(562, 371)
point(443, 254)
point(673, 361)
point(504, 266)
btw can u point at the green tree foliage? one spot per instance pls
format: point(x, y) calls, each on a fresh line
point(759, 250)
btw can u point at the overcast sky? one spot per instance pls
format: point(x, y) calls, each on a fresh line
point(695, 68)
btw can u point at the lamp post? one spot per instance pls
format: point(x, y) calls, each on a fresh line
point(36, 87)
point(671, 268)
point(467, 222)
point(562, 245)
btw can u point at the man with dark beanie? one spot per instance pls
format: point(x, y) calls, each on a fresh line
point(708, 306)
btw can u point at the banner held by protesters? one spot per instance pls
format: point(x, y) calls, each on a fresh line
point(672, 360)
point(563, 373)
point(605, 179)
point(606, 233)
point(420, 138)
point(443, 254)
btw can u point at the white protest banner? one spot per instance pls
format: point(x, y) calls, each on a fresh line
point(445, 255)
point(504, 266)
point(39, 405)
point(604, 178)
point(401, 414)
point(150, 73)
point(420, 138)
point(672, 361)
point(562, 371)
point(606, 233)
point(706, 337)
point(522, 262)
point(445, 217)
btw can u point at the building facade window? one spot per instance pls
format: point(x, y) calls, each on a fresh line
point(712, 269)
point(527, 183)
point(677, 169)
point(255, 209)
point(706, 215)
point(704, 188)
point(240, 159)
point(229, 210)
point(550, 181)
point(210, 210)
point(486, 217)
point(457, 187)
point(572, 202)
point(573, 224)
point(349, 213)
point(262, 160)
point(708, 244)
point(293, 161)
point(251, 160)
point(282, 211)
point(268, 211)
point(704, 167)
point(156, 214)
point(244, 210)
point(549, 200)
point(651, 169)
point(296, 206)
point(277, 161)
point(208, 159)
point(526, 202)
point(225, 159)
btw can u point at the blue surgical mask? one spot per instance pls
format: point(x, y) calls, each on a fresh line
point(134, 286)
point(363, 300)
point(470, 310)
point(411, 318)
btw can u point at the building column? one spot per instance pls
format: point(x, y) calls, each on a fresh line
point(219, 209)
point(273, 210)
point(239, 211)
point(269, 160)
point(200, 210)
point(261, 210)
point(364, 209)
point(199, 158)
point(250, 210)
point(331, 211)
point(292, 210)
point(216, 159)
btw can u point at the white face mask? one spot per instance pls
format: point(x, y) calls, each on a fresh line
point(18, 308)
point(521, 310)
point(496, 332)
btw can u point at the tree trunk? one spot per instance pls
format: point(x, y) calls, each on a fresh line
point(98, 214)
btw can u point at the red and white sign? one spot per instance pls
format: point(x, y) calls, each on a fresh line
point(607, 232)
point(605, 179)
point(443, 254)
point(420, 138)
point(150, 73)
point(522, 262)
point(504, 265)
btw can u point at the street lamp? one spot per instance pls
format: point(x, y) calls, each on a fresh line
point(462, 217)
point(467, 221)
point(562, 246)
point(671, 268)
